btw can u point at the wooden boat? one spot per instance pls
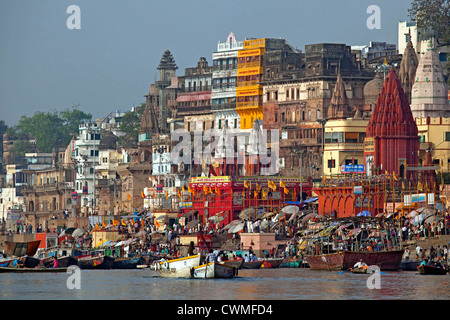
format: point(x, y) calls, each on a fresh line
point(252, 264)
point(20, 249)
point(409, 265)
point(272, 263)
point(359, 270)
point(386, 260)
point(64, 262)
point(213, 270)
point(330, 262)
point(25, 270)
point(237, 263)
point(431, 270)
point(7, 262)
point(95, 262)
point(127, 262)
point(177, 268)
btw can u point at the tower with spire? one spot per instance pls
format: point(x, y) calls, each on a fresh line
point(391, 136)
point(408, 67)
point(339, 106)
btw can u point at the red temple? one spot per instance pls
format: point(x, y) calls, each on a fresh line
point(391, 137)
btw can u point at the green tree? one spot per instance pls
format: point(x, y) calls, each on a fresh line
point(434, 15)
point(130, 125)
point(48, 130)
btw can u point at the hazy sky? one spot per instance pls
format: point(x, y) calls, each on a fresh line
point(111, 61)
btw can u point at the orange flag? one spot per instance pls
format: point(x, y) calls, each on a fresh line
point(128, 196)
point(142, 194)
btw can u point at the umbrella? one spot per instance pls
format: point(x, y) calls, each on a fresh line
point(247, 213)
point(310, 200)
point(290, 209)
point(418, 219)
point(364, 213)
point(232, 223)
point(433, 218)
point(236, 228)
point(193, 223)
point(412, 214)
point(123, 243)
point(216, 218)
point(141, 233)
point(110, 225)
point(78, 232)
point(309, 216)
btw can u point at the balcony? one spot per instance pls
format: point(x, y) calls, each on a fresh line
point(225, 67)
point(248, 104)
point(223, 46)
point(223, 106)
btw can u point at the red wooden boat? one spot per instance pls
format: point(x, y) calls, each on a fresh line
point(331, 261)
point(95, 262)
point(272, 263)
point(386, 260)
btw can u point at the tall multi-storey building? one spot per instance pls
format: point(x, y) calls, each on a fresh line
point(300, 104)
point(194, 102)
point(224, 81)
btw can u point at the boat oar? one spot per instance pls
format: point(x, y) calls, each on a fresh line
point(345, 271)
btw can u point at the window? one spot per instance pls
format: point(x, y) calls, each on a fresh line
point(447, 136)
point(331, 163)
point(276, 117)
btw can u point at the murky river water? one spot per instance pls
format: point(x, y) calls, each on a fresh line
point(262, 284)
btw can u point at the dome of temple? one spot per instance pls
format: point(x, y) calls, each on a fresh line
point(372, 89)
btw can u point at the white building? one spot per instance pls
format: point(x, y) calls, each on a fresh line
point(86, 156)
point(224, 82)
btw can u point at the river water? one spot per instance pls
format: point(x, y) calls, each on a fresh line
point(262, 284)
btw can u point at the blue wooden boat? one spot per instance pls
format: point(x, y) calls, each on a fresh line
point(6, 263)
point(127, 262)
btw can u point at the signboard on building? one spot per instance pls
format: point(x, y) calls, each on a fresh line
point(352, 168)
point(369, 144)
point(409, 199)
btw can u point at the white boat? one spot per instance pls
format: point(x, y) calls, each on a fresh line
point(214, 270)
point(177, 268)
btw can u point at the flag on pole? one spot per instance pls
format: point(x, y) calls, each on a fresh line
point(395, 176)
point(142, 194)
point(182, 188)
point(128, 196)
point(286, 190)
point(179, 193)
point(282, 184)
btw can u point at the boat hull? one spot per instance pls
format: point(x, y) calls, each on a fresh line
point(127, 263)
point(431, 270)
point(237, 263)
point(410, 265)
point(252, 264)
point(332, 261)
point(291, 263)
point(386, 260)
point(64, 262)
point(99, 262)
point(26, 270)
point(178, 268)
point(272, 263)
point(359, 270)
point(214, 270)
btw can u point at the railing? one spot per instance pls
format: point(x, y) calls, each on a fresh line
point(197, 89)
point(232, 66)
point(223, 106)
point(247, 84)
point(222, 46)
point(249, 104)
point(252, 64)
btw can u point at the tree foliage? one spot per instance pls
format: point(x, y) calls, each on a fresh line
point(48, 130)
point(130, 125)
point(432, 14)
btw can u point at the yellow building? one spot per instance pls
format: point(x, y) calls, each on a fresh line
point(344, 144)
point(249, 74)
point(434, 134)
